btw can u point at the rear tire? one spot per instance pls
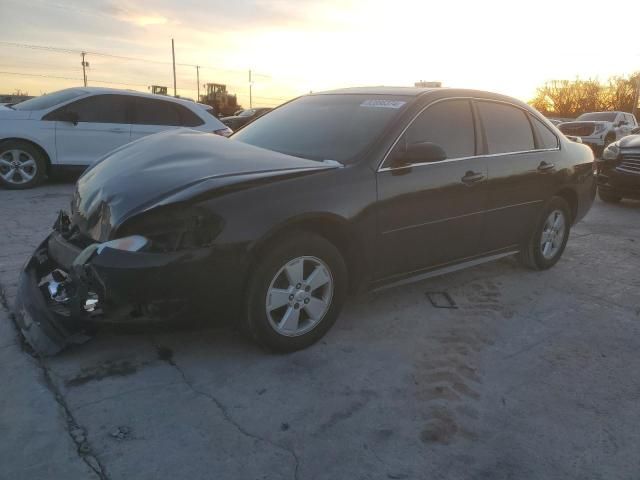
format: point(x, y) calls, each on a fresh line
point(549, 239)
point(608, 197)
point(22, 165)
point(295, 292)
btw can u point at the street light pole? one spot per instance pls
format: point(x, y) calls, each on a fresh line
point(198, 80)
point(250, 96)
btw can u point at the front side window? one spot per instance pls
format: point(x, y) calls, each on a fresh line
point(325, 127)
point(98, 109)
point(149, 111)
point(448, 124)
point(506, 127)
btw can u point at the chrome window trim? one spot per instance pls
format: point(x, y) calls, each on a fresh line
point(384, 159)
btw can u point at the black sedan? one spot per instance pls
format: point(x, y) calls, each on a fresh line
point(329, 194)
point(619, 170)
point(245, 116)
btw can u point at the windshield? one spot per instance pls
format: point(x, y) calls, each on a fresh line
point(324, 127)
point(247, 113)
point(598, 116)
point(49, 100)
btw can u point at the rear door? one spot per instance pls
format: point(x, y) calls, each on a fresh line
point(523, 164)
point(103, 125)
point(431, 214)
point(152, 115)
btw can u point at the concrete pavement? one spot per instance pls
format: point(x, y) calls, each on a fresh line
point(533, 376)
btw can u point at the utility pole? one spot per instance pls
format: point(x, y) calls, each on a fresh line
point(250, 97)
point(198, 80)
point(173, 56)
point(84, 71)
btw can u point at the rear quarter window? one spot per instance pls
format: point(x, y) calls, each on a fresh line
point(546, 138)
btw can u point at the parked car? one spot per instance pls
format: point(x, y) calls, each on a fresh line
point(330, 193)
point(244, 117)
point(71, 129)
point(599, 129)
point(619, 170)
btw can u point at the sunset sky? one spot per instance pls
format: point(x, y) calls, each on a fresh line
point(297, 46)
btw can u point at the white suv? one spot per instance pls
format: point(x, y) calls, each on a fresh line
point(599, 129)
point(73, 128)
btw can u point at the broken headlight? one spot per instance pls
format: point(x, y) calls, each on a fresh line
point(611, 152)
point(171, 229)
point(132, 243)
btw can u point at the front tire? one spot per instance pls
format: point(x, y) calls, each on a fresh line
point(22, 165)
point(295, 292)
point(608, 197)
point(549, 239)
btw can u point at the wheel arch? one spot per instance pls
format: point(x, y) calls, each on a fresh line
point(40, 148)
point(332, 227)
point(571, 197)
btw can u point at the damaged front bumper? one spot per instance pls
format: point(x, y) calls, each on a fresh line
point(65, 290)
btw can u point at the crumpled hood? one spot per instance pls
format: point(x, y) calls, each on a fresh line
point(630, 141)
point(160, 168)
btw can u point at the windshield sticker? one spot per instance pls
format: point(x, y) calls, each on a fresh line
point(383, 103)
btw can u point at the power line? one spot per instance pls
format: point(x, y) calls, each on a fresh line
point(19, 74)
point(122, 57)
point(276, 100)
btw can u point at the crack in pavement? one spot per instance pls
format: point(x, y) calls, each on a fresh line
point(225, 412)
point(76, 432)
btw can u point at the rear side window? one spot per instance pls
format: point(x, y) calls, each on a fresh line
point(99, 109)
point(156, 112)
point(448, 124)
point(546, 138)
point(507, 128)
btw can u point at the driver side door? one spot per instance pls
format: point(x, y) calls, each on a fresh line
point(102, 126)
point(431, 214)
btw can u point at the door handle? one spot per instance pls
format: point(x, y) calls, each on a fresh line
point(471, 177)
point(545, 167)
point(118, 130)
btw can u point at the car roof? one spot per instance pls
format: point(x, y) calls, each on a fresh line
point(98, 90)
point(418, 91)
point(381, 90)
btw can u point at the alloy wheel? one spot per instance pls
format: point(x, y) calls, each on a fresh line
point(17, 166)
point(552, 234)
point(299, 296)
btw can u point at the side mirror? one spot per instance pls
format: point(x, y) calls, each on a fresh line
point(68, 116)
point(424, 152)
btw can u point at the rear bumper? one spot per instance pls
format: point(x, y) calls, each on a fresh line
point(117, 286)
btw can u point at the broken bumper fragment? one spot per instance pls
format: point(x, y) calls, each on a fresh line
point(65, 290)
